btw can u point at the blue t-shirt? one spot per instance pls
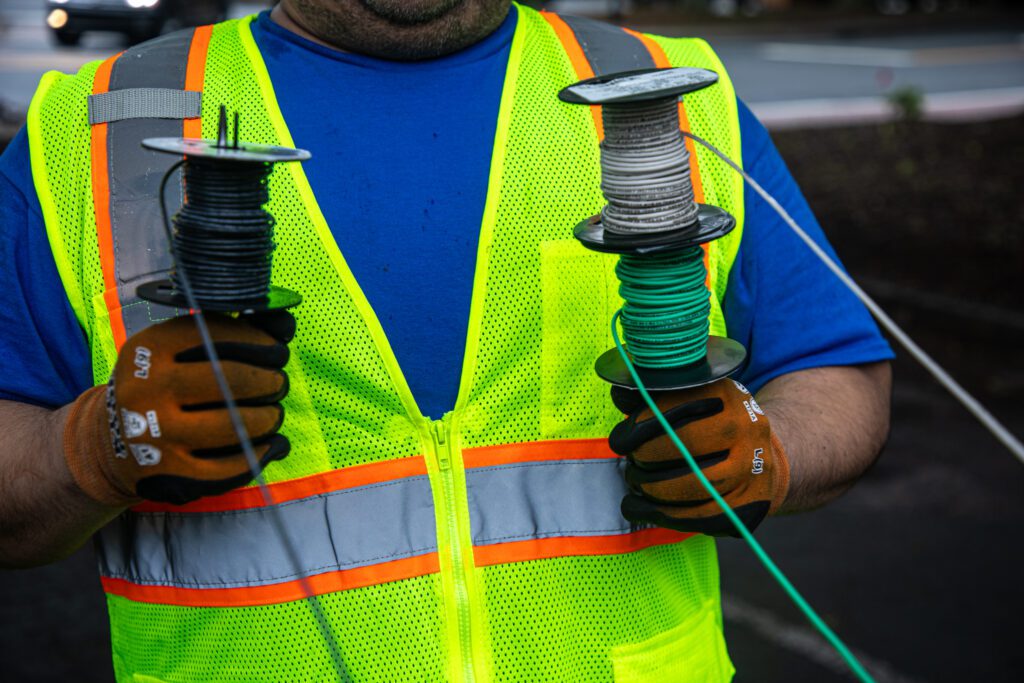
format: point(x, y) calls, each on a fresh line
point(401, 153)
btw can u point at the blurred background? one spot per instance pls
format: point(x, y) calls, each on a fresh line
point(903, 120)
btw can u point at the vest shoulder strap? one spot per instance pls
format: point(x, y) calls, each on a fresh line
point(607, 49)
point(151, 90)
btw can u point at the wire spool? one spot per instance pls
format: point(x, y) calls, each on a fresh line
point(222, 244)
point(653, 222)
point(665, 317)
point(222, 237)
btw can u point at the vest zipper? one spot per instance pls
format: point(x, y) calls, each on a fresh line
point(442, 444)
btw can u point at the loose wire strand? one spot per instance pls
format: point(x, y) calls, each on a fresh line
point(987, 419)
point(851, 661)
point(311, 599)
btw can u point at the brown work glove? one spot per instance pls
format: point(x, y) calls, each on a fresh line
point(159, 430)
point(730, 438)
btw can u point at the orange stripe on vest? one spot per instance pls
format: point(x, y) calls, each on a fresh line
point(272, 594)
point(195, 75)
point(101, 204)
point(569, 546)
point(304, 487)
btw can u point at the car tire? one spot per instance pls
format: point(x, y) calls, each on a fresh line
point(67, 38)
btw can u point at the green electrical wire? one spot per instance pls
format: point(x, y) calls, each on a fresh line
point(667, 307)
point(855, 666)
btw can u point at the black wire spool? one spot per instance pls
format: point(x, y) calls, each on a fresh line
point(222, 237)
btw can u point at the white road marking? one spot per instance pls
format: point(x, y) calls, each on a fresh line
point(965, 105)
point(895, 58)
point(805, 642)
point(846, 55)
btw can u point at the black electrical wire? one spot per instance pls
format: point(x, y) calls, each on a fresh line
point(223, 237)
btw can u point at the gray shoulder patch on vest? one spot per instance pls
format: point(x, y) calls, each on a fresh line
point(150, 78)
point(144, 103)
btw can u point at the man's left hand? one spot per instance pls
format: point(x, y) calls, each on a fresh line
point(731, 440)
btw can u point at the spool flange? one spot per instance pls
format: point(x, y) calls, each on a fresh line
point(237, 151)
point(640, 85)
point(723, 358)
point(712, 223)
point(163, 292)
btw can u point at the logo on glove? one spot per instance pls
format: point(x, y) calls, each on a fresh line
point(758, 461)
point(145, 454)
point(143, 358)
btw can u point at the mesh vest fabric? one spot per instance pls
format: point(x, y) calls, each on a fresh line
point(533, 379)
point(540, 313)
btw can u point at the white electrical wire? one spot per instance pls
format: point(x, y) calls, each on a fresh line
point(994, 426)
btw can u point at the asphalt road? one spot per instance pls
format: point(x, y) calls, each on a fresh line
point(826, 74)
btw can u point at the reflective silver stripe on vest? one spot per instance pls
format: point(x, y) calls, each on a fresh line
point(144, 103)
point(547, 499)
point(347, 529)
point(608, 48)
point(140, 247)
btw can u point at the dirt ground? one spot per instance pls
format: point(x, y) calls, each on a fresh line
point(917, 567)
point(932, 206)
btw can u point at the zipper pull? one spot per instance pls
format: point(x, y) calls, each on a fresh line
point(442, 448)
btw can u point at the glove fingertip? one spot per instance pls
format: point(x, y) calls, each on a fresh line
point(279, 448)
point(279, 323)
point(178, 490)
point(626, 400)
point(620, 440)
point(637, 509)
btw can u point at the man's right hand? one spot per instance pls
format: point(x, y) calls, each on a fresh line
point(160, 429)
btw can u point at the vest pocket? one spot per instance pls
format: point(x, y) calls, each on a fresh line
point(578, 297)
point(692, 652)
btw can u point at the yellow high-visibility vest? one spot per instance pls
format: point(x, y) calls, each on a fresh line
point(487, 545)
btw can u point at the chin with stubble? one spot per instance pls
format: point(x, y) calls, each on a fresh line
point(397, 29)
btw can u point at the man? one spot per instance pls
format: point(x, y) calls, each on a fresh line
point(486, 542)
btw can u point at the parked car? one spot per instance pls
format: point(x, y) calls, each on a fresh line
point(138, 20)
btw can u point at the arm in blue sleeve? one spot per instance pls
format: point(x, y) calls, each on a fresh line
point(44, 359)
point(782, 303)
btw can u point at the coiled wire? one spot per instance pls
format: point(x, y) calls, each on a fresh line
point(223, 237)
point(645, 169)
point(645, 177)
point(665, 317)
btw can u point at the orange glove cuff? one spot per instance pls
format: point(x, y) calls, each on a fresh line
point(88, 446)
point(780, 482)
